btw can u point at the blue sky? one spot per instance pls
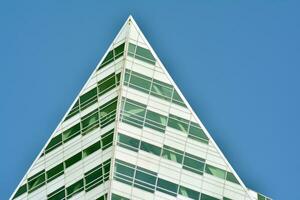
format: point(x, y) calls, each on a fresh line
point(236, 62)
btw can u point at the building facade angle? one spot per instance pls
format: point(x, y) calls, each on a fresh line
point(131, 134)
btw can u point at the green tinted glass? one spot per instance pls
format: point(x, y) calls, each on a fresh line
point(144, 55)
point(150, 148)
point(36, 181)
point(57, 194)
point(197, 133)
point(107, 139)
point(172, 154)
point(69, 162)
point(75, 188)
point(91, 149)
point(117, 197)
point(176, 99)
point(106, 84)
point(21, 190)
point(55, 142)
point(167, 187)
point(93, 178)
point(178, 123)
point(207, 197)
point(88, 98)
point(184, 191)
point(193, 163)
point(230, 177)
point(133, 113)
point(155, 121)
point(162, 90)
point(140, 82)
point(131, 48)
point(128, 142)
point(215, 171)
point(90, 121)
point(145, 181)
point(71, 133)
point(55, 172)
point(118, 51)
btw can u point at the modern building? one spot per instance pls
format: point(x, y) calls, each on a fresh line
point(131, 134)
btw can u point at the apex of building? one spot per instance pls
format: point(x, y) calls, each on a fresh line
point(131, 134)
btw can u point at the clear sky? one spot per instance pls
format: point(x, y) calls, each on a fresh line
point(236, 62)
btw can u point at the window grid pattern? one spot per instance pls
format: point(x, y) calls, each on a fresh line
point(149, 181)
point(136, 114)
point(100, 117)
point(43, 177)
point(100, 175)
point(188, 161)
point(91, 97)
point(113, 55)
point(152, 86)
point(141, 53)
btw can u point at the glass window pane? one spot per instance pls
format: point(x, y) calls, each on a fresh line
point(119, 50)
point(90, 121)
point(128, 142)
point(162, 90)
point(77, 157)
point(108, 112)
point(155, 121)
point(103, 197)
point(71, 133)
point(140, 82)
point(231, 177)
point(88, 98)
point(124, 173)
point(167, 187)
point(178, 123)
point(134, 108)
point(150, 148)
point(177, 99)
point(184, 191)
point(93, 178)
point(117, 197)
point(131, 48)
point(127, 77)
point(55, 142)
point(57, 194)
point(260, 197)
point(207, 197)
point(197, 133)
point(36, 181)
point(215, 171)
point(21, 190)
point(107, 59)
point(144, 55)
point(194, 164)
point(106, 84)
point(75, 188)
point(133, 113)
point(55, 172)
point(113, 55)
point(91, 149)
point(107, 139)
point(145, 181)
point(172, 154)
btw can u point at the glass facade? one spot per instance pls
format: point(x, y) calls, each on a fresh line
point(131, 135)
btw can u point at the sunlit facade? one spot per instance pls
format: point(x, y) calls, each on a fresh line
point(130, 134)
